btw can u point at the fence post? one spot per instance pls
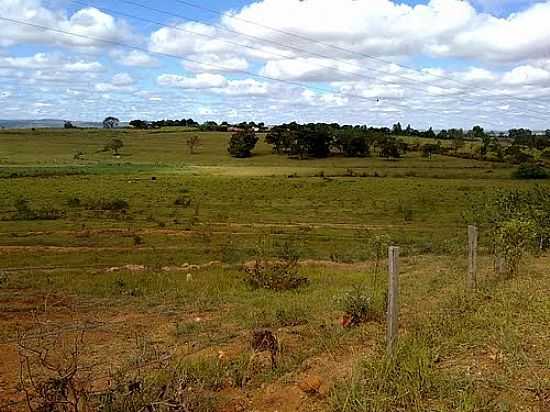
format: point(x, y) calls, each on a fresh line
point(472, 256)
point(392, 314)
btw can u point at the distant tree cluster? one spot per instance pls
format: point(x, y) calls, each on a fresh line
point(209, 126)
point(398, 130)
point(318, 140)
point(143, 124)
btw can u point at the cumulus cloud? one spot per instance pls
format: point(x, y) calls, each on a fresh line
point(216, 63)
point(136, 58)
point(121, 82)
point(85, 22)
point(200, 81)
point(50, 61)
point(388, 28)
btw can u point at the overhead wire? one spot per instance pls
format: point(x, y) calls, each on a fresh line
point(341, 49)
point(218, 67)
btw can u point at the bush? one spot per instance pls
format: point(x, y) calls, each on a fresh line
point(514, 238)
point(24, 211)
point(278, 274)
point(184, 201)
point(530, 170)
point(242, 144)
point(356, 305)
point(73, 202)
point(117, 205)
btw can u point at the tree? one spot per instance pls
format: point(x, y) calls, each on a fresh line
point(397, 129)
point(139, 124)
point(192, 143)
point(110, 122)
point(429, 149)
point(242, 143)
point(114, 145)
point(69, 125)
point(390, 148)
point(353, 142)
point(478, 131)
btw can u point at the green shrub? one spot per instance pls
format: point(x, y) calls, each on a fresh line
point(74, 202)
point(24, 211)
point(356, 305)
point(242, 143)
point(531, 170)
point(276, 274)
point(116, 205)
point(184, 201)
point(514, 238)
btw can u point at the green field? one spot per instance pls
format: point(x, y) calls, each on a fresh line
point(122, 275)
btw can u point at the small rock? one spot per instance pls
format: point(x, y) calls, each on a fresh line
point(310, 385)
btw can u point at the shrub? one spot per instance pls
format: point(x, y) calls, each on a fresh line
point(184, 201)
point(73, 202)
point(24, 211)
point(514, 238)
point(356, 305)
point(279, 274)
point(531, 170)
point(242, 143)
point(117, 205)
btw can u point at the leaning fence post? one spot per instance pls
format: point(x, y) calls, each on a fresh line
point(472, 256)
point(392, 313)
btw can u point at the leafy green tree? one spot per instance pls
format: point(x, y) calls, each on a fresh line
point(353, 142)
point(397, 129)
point(429, 149)
point(390, 148)
point(139, 124)
point(110, 122)
point(242, 143)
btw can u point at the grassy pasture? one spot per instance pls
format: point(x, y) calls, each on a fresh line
point(468, 352)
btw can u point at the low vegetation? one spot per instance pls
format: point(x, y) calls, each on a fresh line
point(165, 280)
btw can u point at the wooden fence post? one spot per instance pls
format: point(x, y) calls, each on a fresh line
point(392, 323)
point(472, 256)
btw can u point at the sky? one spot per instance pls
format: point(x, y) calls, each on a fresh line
point(438, 63)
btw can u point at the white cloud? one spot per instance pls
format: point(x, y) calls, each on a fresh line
point(122, 79)
point(86, 22)
point(310, 69)
point(136, 58)
point(200, 81)
point(246, 87)
point(216, 63)
point(526, 75)
point(50, 61)
point(121, 82)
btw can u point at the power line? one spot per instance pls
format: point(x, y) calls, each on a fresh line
point(355, 74)
point(341, 49)
point(218, 67)
point(177, 28)
point(290, 47)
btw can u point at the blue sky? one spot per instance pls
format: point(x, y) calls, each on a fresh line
point(438, 63)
